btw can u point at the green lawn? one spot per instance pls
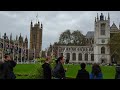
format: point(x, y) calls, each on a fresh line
point(108, 71)
point(29, 69)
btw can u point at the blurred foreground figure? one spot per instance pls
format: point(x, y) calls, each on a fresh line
point(8, 66)
point(59, 71)
point(47, 69)
point(117, 75)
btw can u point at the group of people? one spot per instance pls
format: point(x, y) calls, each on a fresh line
point(95, 74)
point(59, 72)
point(6, 68)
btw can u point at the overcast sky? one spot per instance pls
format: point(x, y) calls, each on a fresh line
point(54, 22)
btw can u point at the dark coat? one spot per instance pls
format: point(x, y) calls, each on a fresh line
point(8, 70)
point(117, 75)
point(82, 74)
point(46, 71)
point(59, 71)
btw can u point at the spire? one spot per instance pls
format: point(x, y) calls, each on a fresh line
point(20, 37)
point(20, 34)
point(119, 25)
point(38, 23)
point(10, 36)
point(16, 37)
point(26, 39)
point(97, 17)
point(41, 26)
point(101, 16)
point(31, 23)
point(5, 35)
point(108, 16)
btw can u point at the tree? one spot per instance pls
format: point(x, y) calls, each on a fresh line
point(77, 37)
point(74, 38)
point(114, 44)
point(65, 37)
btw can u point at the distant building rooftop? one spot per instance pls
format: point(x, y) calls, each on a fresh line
point(113, 27)
point(90, 34)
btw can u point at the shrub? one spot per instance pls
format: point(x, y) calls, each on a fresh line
point(37, 73)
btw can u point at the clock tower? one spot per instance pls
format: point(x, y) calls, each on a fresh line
point(101, 38)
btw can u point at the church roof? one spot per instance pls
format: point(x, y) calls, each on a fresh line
point(113, 27)
point(90, 34)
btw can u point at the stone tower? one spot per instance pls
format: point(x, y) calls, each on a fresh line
point(36, 37)
point(20, 41)
point(26, 42)
point(101, 38)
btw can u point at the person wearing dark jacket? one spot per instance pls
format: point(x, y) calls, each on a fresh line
point(96, 72)
point(82, 74)
point(8, 66)
point(47, 69)
point(117, 75)
point(59, 71)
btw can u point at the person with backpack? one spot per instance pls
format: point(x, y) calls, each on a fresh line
point(59, 71)
point(8, 66)
point(96, 72)
point(47, 69)
point(82, 74)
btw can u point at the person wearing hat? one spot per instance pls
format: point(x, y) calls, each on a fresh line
point(47, 68)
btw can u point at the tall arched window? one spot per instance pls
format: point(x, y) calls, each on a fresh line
point(86, 57)
point(102, 50)
point(74, 56)
point(68, 56)
point(92, 57)
point(103, 29)
point(80, 57)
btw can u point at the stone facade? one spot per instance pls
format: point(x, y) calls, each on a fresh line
point(96, 49)
point(36, 38)
point(18, 48)
point(77, 54)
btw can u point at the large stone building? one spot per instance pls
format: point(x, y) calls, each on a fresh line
point(36, 38)
point(17, 48)
point(96, 49)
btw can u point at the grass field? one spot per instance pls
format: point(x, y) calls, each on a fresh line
point(29, 69)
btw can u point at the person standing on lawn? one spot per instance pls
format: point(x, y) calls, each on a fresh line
point(47, 69)
point(82, 74)
point(96, 72)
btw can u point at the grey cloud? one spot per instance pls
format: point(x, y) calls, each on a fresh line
point(54, 22)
